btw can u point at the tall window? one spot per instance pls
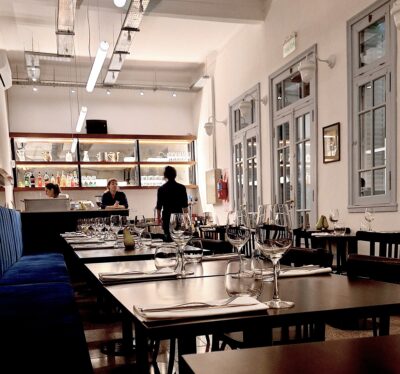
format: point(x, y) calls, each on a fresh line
point(294, 141)
point(245, 130)
point(372, 109)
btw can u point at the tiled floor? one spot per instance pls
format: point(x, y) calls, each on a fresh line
point(100, 328)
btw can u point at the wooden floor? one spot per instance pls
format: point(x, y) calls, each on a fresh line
point(103, 327)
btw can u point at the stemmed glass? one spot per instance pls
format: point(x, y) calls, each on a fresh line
point(334, 216)
point(181, 230)
point(140, 226)
point(238, 234)
point(115, 225)
point(369, 216)
point(274, 237)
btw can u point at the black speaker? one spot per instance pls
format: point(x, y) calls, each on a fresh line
point(96, 126)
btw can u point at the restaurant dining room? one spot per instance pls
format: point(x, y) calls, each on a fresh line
point(199, 186)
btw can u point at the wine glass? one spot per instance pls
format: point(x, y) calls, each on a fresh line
point(274, 237)
point(115, 225)
point(238, 234)
point(334, 216)
point(369, 216)
point(181, 230)
point(140, 226)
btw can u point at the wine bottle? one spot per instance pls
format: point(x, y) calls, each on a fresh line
point(39, 180)
point(46, 178)
point(52, 179)
point(58, 178)
point(33, 180)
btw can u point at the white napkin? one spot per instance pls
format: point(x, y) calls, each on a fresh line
point(93, 245)
point(300, 271)
point(136, 276)
point(240, 305)
point(84, 240)
point(73, 235)
point(321, 234)
point(224, 256)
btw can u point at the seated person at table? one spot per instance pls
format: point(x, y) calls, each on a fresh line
point(53, 191)
point(112, 197)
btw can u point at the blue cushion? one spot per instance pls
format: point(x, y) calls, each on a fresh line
point(40, 324)
point(41, 268)
point(10, 238)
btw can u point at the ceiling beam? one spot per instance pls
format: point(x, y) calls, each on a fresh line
point(248, 11)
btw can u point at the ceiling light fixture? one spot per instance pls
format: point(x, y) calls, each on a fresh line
point(173, 94)
point(119, 3)
point(210, 124)
point(81, 119)
point(97, 65)
point(141, 93)
point(35, 89)
point(108, 92)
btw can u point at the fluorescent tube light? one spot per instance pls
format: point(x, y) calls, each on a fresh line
point(97, 65)
point(73, 145)
point(81, 119)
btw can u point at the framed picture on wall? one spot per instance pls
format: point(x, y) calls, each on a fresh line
point(331, 142)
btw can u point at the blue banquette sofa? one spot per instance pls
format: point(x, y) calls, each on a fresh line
point(40, 326)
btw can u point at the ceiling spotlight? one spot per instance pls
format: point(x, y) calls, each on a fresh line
point(173, 94)
point(73, 90)
point(119, 3)
point(35, 89)
point(141, 93)
point(108, 92)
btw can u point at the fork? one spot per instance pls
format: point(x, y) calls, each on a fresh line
point(192, 305)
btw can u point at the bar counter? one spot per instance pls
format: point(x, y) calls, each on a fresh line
point(41, 230)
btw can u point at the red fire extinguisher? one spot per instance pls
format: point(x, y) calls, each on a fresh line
point(222, 188)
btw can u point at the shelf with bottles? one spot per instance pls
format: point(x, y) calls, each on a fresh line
point(38, 175)
point(152, 175)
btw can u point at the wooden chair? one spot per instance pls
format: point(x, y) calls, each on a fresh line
point(373, 267)
point(383, 244)
point(301, 238)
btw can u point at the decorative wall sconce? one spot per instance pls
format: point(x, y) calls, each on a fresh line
point(307, 67)
point(245, 106)
point(395, 12)
point(210, 124)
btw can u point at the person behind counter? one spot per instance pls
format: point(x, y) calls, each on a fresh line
point(53, 191)
point(171, 198)
point(112, 197)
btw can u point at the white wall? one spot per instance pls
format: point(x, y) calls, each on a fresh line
point(256, 52)
point(55, 110)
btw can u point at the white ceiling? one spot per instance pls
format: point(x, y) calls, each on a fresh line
point(172, 47)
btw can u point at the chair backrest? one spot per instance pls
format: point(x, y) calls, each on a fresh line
point(217, 246)
point(11, 246)
point(301, 238)
point(307, 256)
point(384, 244)
point(374, 267)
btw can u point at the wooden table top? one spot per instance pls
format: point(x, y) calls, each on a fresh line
point(346, 356)
point(204, 269)
point(315, 296)
point(114, 254)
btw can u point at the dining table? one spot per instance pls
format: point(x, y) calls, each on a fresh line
point(345, 356)
point(317, 299)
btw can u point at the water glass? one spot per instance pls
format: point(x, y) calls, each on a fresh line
point(193, 251)
point(235, 285)
point(166, 257)
point(340, 229)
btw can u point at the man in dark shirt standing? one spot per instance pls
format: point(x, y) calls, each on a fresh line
point(171, 198)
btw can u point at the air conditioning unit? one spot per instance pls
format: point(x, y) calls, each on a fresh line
point(5, 71)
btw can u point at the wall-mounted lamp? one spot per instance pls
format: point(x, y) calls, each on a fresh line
point(395, 12)
point(209, 125)
point(246, 106)
point(307, 67)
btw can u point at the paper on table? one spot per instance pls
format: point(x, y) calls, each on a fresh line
point(240, 305)
point(300, 271)
point(224, 256)
point(136, 276)
point(93, 245)
point(321, 233)
point(84, 240)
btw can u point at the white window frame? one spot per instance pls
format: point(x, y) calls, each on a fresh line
point(241, 136)
point(357, 76)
